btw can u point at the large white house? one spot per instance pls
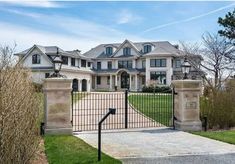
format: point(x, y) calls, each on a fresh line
point(113, 66)
point(75, 66)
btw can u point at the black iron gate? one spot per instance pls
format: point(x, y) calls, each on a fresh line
point(133, 110)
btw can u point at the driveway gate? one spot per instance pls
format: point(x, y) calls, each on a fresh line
point(133, 110)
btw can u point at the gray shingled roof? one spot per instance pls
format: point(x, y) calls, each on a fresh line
point(161, 48)
point(52, 50)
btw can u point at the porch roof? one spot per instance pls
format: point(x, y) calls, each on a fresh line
point(116, 71)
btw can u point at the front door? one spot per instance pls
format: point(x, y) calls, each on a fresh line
point(125, 80)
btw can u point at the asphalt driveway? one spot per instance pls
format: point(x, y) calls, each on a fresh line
point(161, 145)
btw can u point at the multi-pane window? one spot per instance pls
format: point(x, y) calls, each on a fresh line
point(109, 50)
point(83, 63)
point(126, 51)
point(108, 80)
point(159, 76)
point(157, 62)
point(36, 59)
point(109, 64)
point(98, 65)
point(125, 64)
point(98, 82)
point(147, 48)
point(72, 61)
point(65, 60)
point(177, 63)
point(89, 64)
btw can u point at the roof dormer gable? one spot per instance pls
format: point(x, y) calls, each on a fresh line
point(127, 48)
point(109, 49)
point(147, 47)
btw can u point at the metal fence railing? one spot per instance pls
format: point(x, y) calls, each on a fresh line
point(133, 110)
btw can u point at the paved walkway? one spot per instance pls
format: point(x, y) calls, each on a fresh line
point(88, 111)
point(161, 144)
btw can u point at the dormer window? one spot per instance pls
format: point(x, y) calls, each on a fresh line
point(126, 51)
point(147, 48)
point(109, 50)
point(36, 59)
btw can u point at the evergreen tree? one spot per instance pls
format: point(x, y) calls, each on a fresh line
point(228, 23)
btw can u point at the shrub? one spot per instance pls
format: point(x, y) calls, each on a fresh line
point(159, 89)
point(37, 87)
point(19, 111)
point(220, 108)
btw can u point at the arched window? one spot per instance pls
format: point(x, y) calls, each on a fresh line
point(36, 59)
point(127, 51)
point(147, 48)
point(109, 50)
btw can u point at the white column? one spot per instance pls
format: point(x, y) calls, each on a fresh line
point(136, 82)
point(95, 82)
point(88, 85)
point(80, 85)
point(116, 81)
point(130, 81)
point(111, 82)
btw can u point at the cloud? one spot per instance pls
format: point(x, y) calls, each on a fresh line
point(18, 12)
point(189, 19)
point(66, 32)
point(126, 16)
point(33, 3)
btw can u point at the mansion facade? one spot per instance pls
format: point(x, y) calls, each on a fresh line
point(112, 67)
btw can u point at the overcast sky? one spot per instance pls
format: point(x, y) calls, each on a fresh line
point(83, 25)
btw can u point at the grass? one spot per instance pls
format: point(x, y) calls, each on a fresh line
point(225, 136)
point(71, 150)
point(158, 106)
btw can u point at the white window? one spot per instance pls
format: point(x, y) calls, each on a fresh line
point(147, 48)
point(177, 63)
point(109, 50)
point(159, 76)
point(126, 51)
point(36, 59)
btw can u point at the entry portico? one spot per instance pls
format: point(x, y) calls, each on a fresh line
point(119, 79)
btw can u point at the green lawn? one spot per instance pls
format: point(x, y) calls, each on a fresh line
point(71, 150)
point(225, 136)
point(156, 106)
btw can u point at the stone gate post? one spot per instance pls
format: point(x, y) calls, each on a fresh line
point(187, 105)
point(57, 114)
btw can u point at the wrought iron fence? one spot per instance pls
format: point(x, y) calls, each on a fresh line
point(133, 110)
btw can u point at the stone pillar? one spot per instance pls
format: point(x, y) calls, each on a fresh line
point(57, 93)
point(186, 104)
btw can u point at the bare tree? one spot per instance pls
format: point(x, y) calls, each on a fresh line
point(218, 55)
point(7, 58)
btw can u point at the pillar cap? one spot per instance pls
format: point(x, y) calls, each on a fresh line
point(57, 80)
point(187, 83)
